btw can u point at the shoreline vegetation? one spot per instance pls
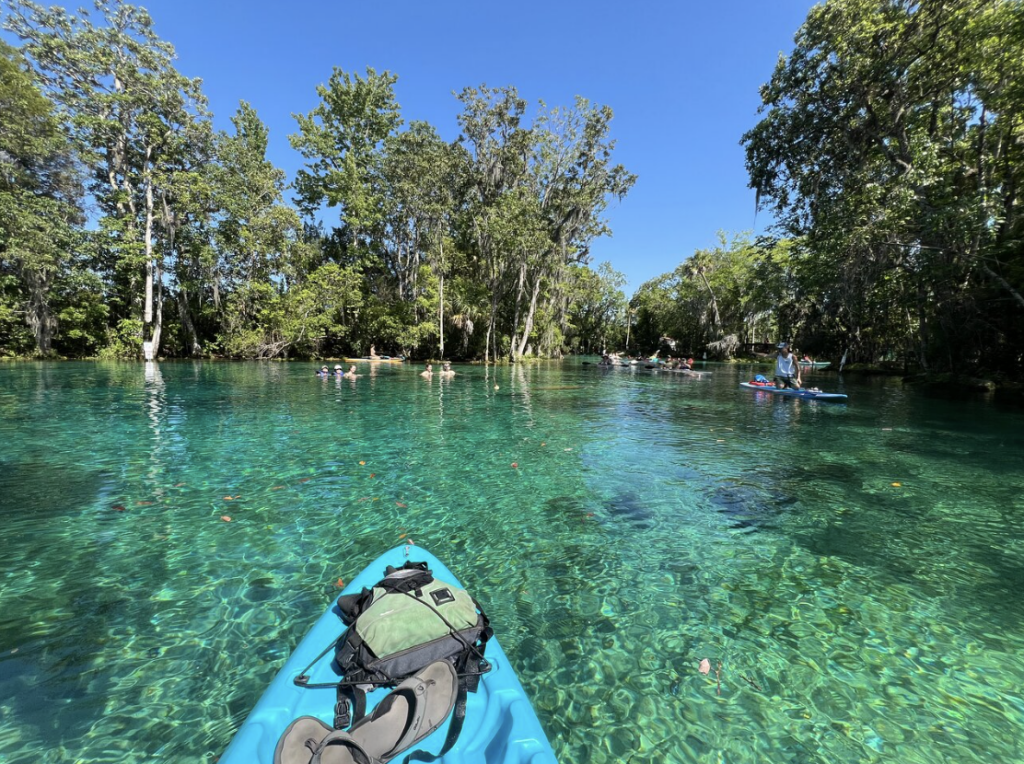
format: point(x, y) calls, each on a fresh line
point(889, 151)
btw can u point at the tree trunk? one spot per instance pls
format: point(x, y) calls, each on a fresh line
point(147, 314)
point(191, 338)
point(714, 304)
point(158, 323)
point(1003, 283)
point(39, 317)
point(440, 304)
point(529, 318)
point(490, 330)
point(515, 319)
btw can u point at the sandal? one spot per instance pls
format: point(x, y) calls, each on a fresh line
point(300, 741)
point(410, 713)
point(413, 710)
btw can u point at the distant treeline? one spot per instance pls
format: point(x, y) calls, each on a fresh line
point(891, 152)
point(125, 217)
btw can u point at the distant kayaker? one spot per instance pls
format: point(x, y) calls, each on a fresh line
point(787, 370)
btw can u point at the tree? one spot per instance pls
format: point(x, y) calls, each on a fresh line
point(891, 144)
point(39, 202)
point(129, 111)
point(254, 231)
point(597, 316)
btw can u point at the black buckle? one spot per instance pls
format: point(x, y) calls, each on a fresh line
point(341, 715)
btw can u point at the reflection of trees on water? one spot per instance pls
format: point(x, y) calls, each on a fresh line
point(155, 401)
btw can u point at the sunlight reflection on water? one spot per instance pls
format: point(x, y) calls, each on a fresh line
point(856, 569)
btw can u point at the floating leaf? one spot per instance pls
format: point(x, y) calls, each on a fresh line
point(515, 465)
point(225, 518)
point(277, 488)
point(362, 464)
point(705, 667)
point(373, 474)
point(304, 480)
point(118, 508)
point(400, 504)
point(228, 498)
point(401, 535)
point(897, 485)
point(143, 504)
point(178, 485)
point(340, 584)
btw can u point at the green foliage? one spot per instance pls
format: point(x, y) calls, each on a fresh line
point(124, 340)
point(482, 241)
point(15, 337)
point(81, 314)
point(597, 316)
point(718, 300)
point(891, 145)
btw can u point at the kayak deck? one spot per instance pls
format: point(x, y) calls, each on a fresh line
point(790, 393)
point(500, 725)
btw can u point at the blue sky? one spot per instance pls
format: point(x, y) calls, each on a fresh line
point(682, 78)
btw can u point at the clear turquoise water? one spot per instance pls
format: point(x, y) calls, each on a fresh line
point(650, 522)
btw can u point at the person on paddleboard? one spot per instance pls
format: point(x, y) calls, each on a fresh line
point(787, 370)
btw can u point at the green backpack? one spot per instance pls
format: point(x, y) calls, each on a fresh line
point(405, 622)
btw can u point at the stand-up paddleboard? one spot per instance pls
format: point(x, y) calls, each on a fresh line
point(790, 393)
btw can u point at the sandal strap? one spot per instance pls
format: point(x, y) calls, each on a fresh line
point(342, 738)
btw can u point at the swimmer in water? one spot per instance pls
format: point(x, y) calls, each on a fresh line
point(428, 372)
